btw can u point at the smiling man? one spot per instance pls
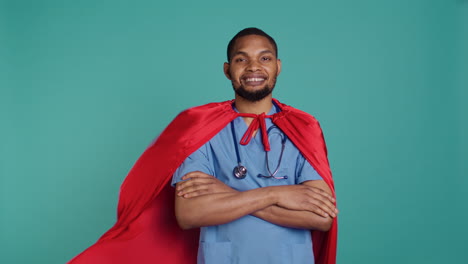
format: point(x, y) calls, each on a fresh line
point(251, 178)
point(256, 199)
point(252, 63)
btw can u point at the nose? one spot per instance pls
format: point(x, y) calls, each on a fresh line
point(253, 65)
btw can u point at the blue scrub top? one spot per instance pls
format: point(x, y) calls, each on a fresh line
point(251, 239)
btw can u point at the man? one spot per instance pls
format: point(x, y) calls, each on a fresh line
point(260, 217)
point(253, 173)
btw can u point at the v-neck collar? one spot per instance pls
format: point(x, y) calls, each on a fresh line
point(239, 122)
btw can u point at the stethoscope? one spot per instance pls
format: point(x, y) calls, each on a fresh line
point(240, 171)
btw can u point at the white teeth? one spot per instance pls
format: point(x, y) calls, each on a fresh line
point(254, 79)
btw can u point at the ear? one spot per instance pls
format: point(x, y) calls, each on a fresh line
point(278, 64)
point(226, 70)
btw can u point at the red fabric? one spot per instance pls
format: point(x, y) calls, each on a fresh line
point(258, 122)
point(146, 230)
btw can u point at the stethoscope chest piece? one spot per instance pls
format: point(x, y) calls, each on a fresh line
point(240, 172)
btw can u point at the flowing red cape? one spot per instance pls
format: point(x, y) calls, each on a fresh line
point(146, 230)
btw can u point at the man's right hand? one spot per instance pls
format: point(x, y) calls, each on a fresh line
point(305, 198)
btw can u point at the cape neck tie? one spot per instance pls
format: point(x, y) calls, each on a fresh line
point(257, 122)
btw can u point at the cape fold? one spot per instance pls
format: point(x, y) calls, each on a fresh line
point(146, 229)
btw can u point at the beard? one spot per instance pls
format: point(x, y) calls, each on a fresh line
point(253, 96)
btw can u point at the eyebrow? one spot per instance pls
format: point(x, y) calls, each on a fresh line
point(245, 53)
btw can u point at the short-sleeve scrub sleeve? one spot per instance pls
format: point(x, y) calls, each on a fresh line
point(305, 171)
point(197, 161)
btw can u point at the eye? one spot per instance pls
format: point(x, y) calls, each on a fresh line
point(240, 60)
point(265, 59)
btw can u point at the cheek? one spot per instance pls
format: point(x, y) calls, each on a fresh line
point(273, 73)
point(235, 76)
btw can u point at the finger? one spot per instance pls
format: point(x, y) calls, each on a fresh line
point(195, 187)
point(317, 210)
point(327, 206)
point(326, 198)
point(191, 189)
point(324, 193)
point(195, 193)
point(193, 182)
point(318, 207)
point(324, 204)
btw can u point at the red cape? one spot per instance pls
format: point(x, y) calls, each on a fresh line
point(146, 230)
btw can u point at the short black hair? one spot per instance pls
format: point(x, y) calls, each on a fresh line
point(247, 32)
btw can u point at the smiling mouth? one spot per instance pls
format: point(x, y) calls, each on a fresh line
point(254, 81)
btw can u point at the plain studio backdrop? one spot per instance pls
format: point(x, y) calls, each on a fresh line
point(85, 87)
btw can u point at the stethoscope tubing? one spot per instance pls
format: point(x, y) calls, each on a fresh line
point(240, 171)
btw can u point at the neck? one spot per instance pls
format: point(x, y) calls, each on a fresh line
point(245, 106)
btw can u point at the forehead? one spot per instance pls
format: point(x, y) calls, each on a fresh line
point(252, 44)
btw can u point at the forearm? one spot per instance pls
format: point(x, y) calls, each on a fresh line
point(294, 219)
point(202, 200)
point(221, 208)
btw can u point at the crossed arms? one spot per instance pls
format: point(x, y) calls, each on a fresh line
point(203, 200)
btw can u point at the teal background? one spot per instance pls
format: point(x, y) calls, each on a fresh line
point(85, 86)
